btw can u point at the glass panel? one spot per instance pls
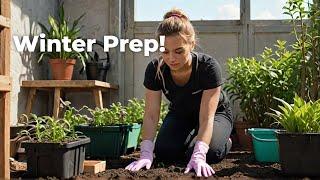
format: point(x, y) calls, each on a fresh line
point(269, 10)
point(153, 10)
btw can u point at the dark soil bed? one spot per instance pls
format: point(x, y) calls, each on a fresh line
point(237, 165)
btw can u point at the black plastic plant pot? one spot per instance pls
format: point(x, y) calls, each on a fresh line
point(107, 141)
point(299, 153)
point(54, 159)
point(97, 71)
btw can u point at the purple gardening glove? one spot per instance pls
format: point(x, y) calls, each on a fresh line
point(146, 156)
point(198, 160)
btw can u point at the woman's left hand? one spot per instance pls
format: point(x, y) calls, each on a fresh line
point(198, 160)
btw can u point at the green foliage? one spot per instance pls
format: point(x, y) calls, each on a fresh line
point(307, 33)
point(73, 116)
point(114, 115)
point(48, 129)
point(117, 113)
point(299, 117)
point(60, 28)
point(135, 111)
point(254, 82)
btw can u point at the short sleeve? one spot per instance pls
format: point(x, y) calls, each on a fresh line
point(150, 79)
point(211, 74)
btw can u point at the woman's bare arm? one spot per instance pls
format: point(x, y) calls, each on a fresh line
point(208, 107)
point(152, 114)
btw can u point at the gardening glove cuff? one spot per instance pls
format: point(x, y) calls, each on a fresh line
point(146, 150)
point(200, 150)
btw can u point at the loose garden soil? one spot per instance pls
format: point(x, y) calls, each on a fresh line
point(237, 165)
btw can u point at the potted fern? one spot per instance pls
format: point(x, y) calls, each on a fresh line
point(299, 142)
point(53, 147)
point(62, 62)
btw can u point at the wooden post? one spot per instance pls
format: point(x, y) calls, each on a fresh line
point(5, 135)
point(5, 40)
point(98, 98)
point(31, 96)
point(56, 102)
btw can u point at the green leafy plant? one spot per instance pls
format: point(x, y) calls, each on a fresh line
point(299, 117)
point(60, 28)
point(48, 129)
point(73, 116)
point(135, 110)
point(307, 46)
point(114, 115)
point(255, 81)
point(117, 113)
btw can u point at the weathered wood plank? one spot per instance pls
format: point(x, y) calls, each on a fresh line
point(4, 22)
point(5, 83)
point(4, 135)
point(5, 40)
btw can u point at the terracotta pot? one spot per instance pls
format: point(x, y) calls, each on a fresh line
point(245, 139)
point(62, 69)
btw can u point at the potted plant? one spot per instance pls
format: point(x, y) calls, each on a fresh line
point(107, 130)
point(299, 142)
point(114, 131)
point(254, 81)
point(62, 62)
point(53, 148)
point(97, 65)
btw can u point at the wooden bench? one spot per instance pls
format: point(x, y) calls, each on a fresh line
point(63, 86)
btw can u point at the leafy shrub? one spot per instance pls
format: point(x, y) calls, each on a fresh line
point(254, 82)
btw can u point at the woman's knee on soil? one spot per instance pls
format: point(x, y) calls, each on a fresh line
point(217, 154)
point(220, 145)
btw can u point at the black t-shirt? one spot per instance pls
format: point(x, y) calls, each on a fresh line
point(206, 74)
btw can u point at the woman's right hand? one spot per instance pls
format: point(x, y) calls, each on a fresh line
point(146, 157)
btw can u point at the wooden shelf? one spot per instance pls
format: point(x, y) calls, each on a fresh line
point(68, 84)
point(59, 87)
point(5, 83)
point(4, 22)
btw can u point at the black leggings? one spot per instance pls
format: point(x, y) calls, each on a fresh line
point(177, 136)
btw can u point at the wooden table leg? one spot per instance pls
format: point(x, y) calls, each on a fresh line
point(56, 102)
point(30, 100)
point(98, 98)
